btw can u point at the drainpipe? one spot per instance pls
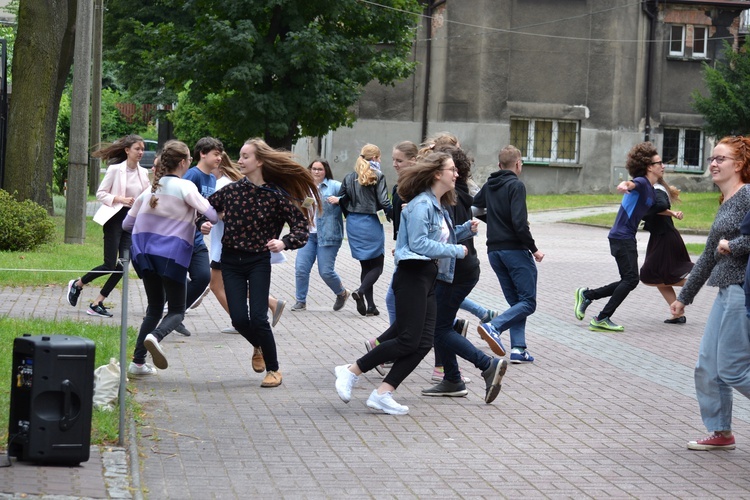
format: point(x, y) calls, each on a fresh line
point(647, 8)
point(429, 9)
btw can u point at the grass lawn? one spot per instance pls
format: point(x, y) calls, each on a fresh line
point(63, 262)
point(104, 425)
point(699, 209)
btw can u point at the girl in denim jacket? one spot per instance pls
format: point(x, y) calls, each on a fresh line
point(424, 250)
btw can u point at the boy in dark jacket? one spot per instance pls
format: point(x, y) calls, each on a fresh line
point(511, 251)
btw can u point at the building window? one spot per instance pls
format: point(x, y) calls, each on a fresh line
point(677, 40)
point(683, 149)
point(545, 140)
point(700, 41)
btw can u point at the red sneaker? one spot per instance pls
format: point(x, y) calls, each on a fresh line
point(713, 442)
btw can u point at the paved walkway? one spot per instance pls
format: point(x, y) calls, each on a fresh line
point(597, 415)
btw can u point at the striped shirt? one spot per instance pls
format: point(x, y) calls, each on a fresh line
point(163, 236)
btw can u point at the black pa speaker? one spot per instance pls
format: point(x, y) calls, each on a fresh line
point(51, 399)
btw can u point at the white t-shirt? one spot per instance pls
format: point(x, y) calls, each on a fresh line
point(214, 251)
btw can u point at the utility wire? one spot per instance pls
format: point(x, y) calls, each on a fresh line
point(515, 31)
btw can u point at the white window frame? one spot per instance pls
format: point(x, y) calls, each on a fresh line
point(681, 165)
point(700, 52)
point(683, 29)
point(554, 141)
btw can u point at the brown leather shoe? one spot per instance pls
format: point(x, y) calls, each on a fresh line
point(259, 364)
point(272, 379)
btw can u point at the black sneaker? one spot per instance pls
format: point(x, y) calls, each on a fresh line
point(445, 388)
point(373, 311)
point(182, 331)
point(461, 326)
point(493, 377)
point(98, 310)
point(73, 292)
point(361, 306)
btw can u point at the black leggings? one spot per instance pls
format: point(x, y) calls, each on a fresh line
point(116, 241)
point(410, 336)
point(371, 271)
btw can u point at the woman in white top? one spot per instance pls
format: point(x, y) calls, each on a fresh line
point(124, 181)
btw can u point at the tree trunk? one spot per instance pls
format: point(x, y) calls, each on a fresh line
point(43, 54)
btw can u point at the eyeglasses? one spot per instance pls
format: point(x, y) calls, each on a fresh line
point(454, 169)
point(660, 162)
point(718, 159)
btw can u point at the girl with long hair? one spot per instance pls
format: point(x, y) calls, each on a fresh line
point(227, 173)
point(162, 223)
point(363, 193)
point(273, 192)
point(425, 250)
point(124, 181)
point(326, 235)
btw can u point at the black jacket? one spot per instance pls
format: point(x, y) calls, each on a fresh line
point(652, 221)
point(360, 199)
point(397, 202)
point(461, 213)
point(504, 197)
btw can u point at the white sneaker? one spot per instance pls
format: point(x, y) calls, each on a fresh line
point(231, 329)
point(143, 370)
point(385, 402)
point(345, 380)
point(157, 354)
point(200, 298)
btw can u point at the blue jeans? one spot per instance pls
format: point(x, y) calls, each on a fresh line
point(390, 302)
point(326, 256)
point(474, 308)
point(448, 342)
point(243, 272)
point(158, 290)
point(200, 274)
point(516, 272)
point(723, 359)
point(625, 253)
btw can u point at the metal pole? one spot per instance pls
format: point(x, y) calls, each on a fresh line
point(125, 262)
point(95, 133)
point(3, 108)
point(75, 205)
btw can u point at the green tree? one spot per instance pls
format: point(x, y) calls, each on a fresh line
point(114, 126)
point(279, 69)
point(43, 54)
point(727, 107)
point(8, 32)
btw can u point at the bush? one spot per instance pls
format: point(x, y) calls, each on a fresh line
point(23, 225)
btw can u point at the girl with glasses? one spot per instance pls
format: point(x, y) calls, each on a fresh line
point(425, 249)
point(724, 355)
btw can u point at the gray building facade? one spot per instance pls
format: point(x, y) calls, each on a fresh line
point(574, 84)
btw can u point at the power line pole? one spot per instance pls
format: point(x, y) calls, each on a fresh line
point(96, 94)
point(78, 153)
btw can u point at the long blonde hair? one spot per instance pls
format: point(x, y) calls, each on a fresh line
point(279, 168)
point(229, 168)
point(366, 176)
